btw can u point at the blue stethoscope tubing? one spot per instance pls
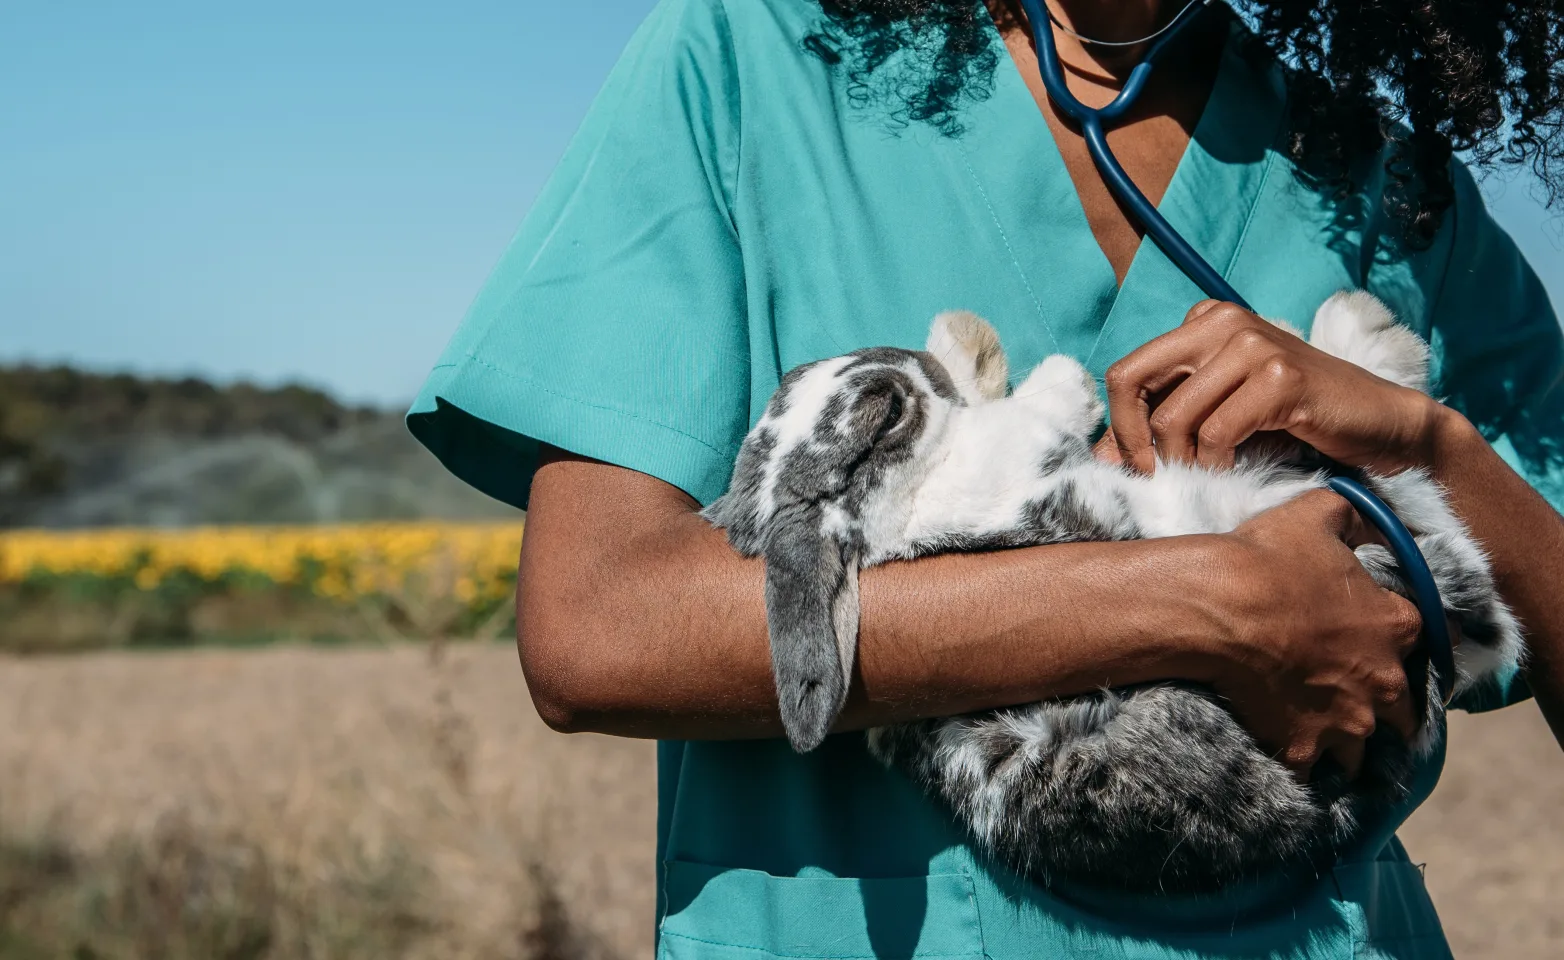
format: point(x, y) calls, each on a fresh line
point(1436, 643)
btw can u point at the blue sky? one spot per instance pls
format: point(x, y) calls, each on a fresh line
point(301, 190)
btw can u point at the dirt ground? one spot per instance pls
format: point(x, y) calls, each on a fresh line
point(1492, 836)
point(309, 749)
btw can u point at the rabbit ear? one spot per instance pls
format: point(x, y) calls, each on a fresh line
point(969, 348)
point(812, 614)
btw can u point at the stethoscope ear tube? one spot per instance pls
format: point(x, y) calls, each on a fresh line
point(1414, 570)
point(1414, 567)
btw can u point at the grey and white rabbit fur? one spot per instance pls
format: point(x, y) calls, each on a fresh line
point(887, 454)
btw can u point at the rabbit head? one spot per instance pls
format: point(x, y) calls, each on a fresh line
point(839, 449)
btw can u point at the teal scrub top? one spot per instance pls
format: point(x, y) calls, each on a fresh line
point(729, 210)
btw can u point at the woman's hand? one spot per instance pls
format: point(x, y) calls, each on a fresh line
point(1194, 394)
point(1309, 648)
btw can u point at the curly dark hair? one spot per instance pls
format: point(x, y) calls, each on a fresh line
point(1431, 76)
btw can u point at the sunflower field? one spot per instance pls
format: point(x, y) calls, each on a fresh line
point(115, 587)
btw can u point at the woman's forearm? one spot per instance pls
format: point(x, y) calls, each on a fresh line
point(1524, 537)
point(659, 628)
point(962, 632)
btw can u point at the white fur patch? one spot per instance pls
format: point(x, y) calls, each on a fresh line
point(1355, 326)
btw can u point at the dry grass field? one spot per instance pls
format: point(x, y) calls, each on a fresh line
point(292, 802)
point(310, 803)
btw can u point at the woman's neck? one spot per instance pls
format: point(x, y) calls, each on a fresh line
point(1115, 21)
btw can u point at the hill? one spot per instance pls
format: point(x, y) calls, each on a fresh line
point(89, 449)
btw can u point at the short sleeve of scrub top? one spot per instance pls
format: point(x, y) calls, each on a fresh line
point(730, 209)
point(613, 326)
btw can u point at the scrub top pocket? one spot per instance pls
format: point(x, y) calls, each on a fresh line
point(714, 913)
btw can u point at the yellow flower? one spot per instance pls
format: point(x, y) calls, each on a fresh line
point(470, 561)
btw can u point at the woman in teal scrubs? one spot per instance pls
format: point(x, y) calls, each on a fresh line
point(763, 183)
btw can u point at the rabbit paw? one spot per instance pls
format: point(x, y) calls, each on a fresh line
point(1061, 392)
point(1355, 326)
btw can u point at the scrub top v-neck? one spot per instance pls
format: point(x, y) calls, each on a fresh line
point(1227, 156)
point(734, 206)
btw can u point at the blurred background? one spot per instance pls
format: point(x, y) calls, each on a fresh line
point(257, 698)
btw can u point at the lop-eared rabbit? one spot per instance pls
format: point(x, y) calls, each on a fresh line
point(887, 454)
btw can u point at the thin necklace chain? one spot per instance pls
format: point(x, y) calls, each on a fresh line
point(1118, 43)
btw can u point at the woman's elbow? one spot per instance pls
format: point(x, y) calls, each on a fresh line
point(571, 682)
point(557, 701)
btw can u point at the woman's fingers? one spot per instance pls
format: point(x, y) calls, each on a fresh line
point(1300, 761)
point(1157, 367)
point(1390, 703)
point(1394, 702)
point(1391, 699)
point(1395, 710)
point(1176, 422)
point(1164, 366)
point(1400, 705)
point(1134, 381)
point(1131, 384)
point(1330, 643)
point(1202, 308)
point(1338, 408)
point(1264, 401)
point(1330, 511)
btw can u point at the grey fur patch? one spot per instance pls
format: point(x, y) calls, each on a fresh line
point(781, 398)
point(1149, 789)
point(939, 377)
point(737, 510)
point(1070, 452)
point(1065, 515)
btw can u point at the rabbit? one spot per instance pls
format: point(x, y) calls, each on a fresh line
point(886, 454)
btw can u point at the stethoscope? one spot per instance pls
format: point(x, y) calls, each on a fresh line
point(1414, 567)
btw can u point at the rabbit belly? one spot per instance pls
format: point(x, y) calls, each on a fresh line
point(1075, 498)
